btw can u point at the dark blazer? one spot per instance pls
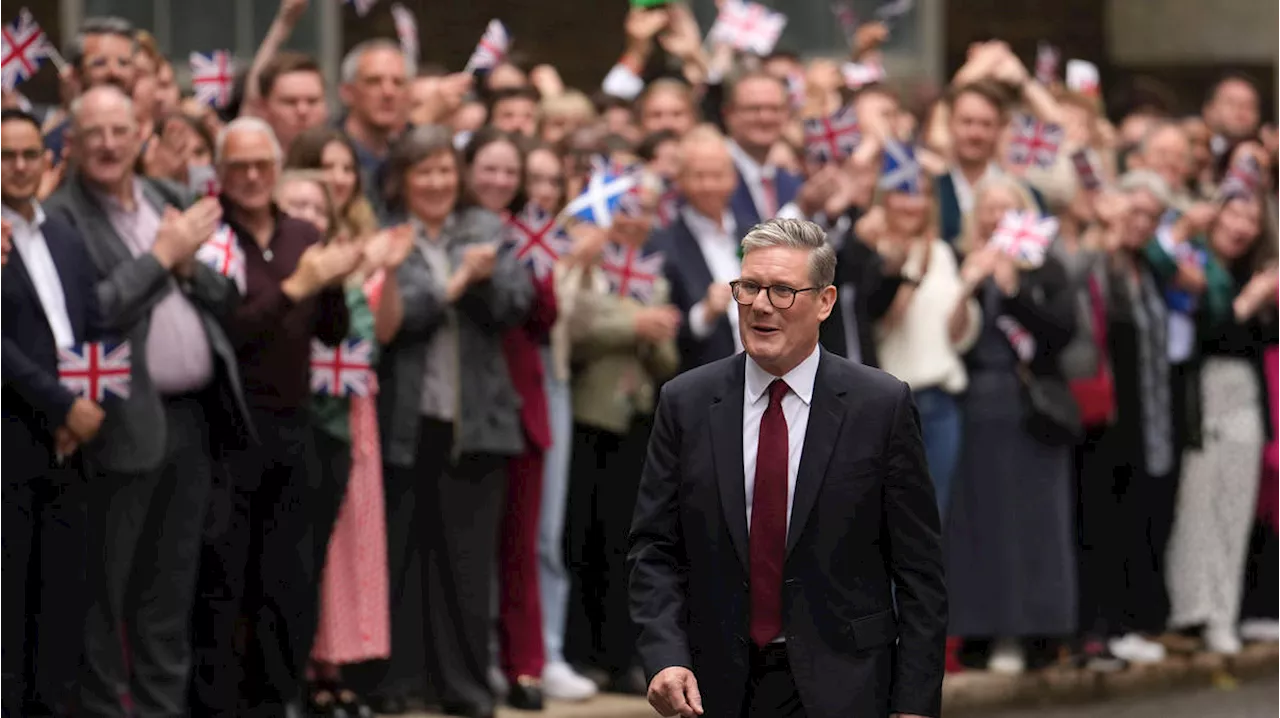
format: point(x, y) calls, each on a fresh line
point(687, 272)
point(133, 438)
point(863, 519)
point(859, 269)
point(787, 186)
point(950, 218)
point(35, 403)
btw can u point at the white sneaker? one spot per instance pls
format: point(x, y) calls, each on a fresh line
point(1221, 640)
point(561, 682)
point(1135, 649)
point(1007, 658)
point(1260, 630)
point(498, 682)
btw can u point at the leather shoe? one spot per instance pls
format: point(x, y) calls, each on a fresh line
point(389, 705)
point(467, 711)
point(525, 694)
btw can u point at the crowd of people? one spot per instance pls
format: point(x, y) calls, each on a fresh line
point(447, 522)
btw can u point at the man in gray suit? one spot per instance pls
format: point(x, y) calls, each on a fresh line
point(150, 468)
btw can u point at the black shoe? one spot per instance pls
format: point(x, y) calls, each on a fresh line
point(351, 706)
point(467, 711)
point(389, 705)
point(629, 682)
point(525, 693)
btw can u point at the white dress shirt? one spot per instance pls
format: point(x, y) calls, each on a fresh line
point(753, 175)
point(795, 408)
point(964, 190)
point(29, 242)
point(719, 246)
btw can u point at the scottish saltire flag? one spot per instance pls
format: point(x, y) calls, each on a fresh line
point(1034, 142)
point(539, 243)
point(96, 370)
point(222, 253)
point(1025, 236)
point(344, 370)
point(748, 27)
point(630, 271)
point(834, 138)
point(605, 195)
point(25, 46)
point(1047, 59)
point(860, 74)
point(362, 7)
point(492, 48)
point(406, 30)
point(900, 171)
point(213, 77)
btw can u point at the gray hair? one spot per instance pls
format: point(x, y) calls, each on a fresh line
point(351, 63)
point(1160, 127)
point(1146, 181)
point(796, 234)
point(106, 25)
point(77, 105)
point(247, 124)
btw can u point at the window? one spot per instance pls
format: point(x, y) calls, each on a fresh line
point(182, 27)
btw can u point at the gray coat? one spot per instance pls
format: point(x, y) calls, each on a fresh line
point(488, 417)
point(133, 436)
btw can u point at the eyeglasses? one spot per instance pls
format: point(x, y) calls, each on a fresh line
point(28, 155)
point(781, 296)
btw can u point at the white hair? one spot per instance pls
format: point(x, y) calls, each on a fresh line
point(247, 124)
point(351, 63)
point(1146, 181)
point(77, 105)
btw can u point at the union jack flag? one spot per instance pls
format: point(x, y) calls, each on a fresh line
point(223, 254)
point(748, 26)
point(631, 273)
point(1082, 77)
point(539, 243)
point(846, 18)
point(406, 30)
point(492, 48)
point(1242, 177)
point(834, 138)
point(344, 370)
point(24, 47)
point(606, 194)
point(1025, 236)
point(212, 77)
point(1034, 142)
point(1047, 59)
point(795, 89)
point(94, 370)
point(860, 74)
point(1022, 341)
point(362, 7)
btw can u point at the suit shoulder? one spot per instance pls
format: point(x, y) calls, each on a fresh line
point(700, 384)
point(865, 382)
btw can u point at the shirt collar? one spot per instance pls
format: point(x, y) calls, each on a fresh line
point(113, 204)
point(800, 379)
point(18, 221)
point(703, 227)
point(751, 170)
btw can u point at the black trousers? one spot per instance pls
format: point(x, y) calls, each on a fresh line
point(604, 478)
point(144, 549)
point(263, 552)
point(1124, 521)
point(43, 585)
point(771, 690)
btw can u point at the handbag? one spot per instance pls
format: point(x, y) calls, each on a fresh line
point(1095, 396)
point(1052, 415)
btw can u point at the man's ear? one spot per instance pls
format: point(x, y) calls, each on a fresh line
point(826, 301)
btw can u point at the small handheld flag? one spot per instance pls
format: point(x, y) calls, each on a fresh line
point(748, 27)
point(1034, 142)
point(901, 171)
point(1082, 77)
point(362, 7)
point(1021, 340)
point(538, 242)
point(1086, 168)
point(406, 30)
point(95, 370)
point(25, 45)
point(1025, 236)
point(631, 273)
point(492, 48)
point(603, 196)
point(832, 139)
point(1047, 59)
point(213, 77)
point(344, 370)
point(1243, 177)
point(222, 253)
point(860, 74)
point(846, 18)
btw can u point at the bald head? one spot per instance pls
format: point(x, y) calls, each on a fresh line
point(1166, 150)
point(707, 175)
point(105, 136)
point(99, 99)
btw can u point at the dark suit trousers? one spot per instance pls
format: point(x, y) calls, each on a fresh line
point(144, 549)
point(604, 478)
point(771, 690)
point(44, 551)
point(263, 553)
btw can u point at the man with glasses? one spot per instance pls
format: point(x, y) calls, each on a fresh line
point(102, 53)
point(755, 115)
point(785, 536)
point(49, 304)
point(151, 468)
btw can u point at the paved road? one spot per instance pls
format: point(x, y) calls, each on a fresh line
point(1251, 700)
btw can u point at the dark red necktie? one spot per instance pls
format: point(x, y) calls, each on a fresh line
point(770, 197)
point(769, 520)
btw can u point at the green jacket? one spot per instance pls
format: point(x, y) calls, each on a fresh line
point(1220, 290)
point(332, 413)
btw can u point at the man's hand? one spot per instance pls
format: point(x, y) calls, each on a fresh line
point(816, 190)
point(1190, 277)
point(320, 266)
point(181, 234)
point(388, 248)
point(547, 80)
point(658, 324)
point(674, 691)
point(64, 442)
point(84, 419)
point(6, 241)
point(717, 300)
point(291, 11)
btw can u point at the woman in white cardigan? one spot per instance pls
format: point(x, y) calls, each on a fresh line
point(930, 325)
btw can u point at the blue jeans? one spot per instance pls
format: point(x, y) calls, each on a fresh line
point(553, 578)
point(940, 424)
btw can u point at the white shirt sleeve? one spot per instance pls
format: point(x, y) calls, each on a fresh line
point(699, 324)
point(622, 82)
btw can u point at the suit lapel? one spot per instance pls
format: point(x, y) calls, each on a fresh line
point(103, 243)
point(689, 252)
point(71, 293)
point(725, 416)
point(826, 414)
point(19, 268)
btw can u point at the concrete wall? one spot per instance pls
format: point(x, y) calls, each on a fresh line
point(1185, 32)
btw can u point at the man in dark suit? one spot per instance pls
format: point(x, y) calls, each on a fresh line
point(150, 469)
point(754, 115)
point(48, 304)
point(784, 497)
